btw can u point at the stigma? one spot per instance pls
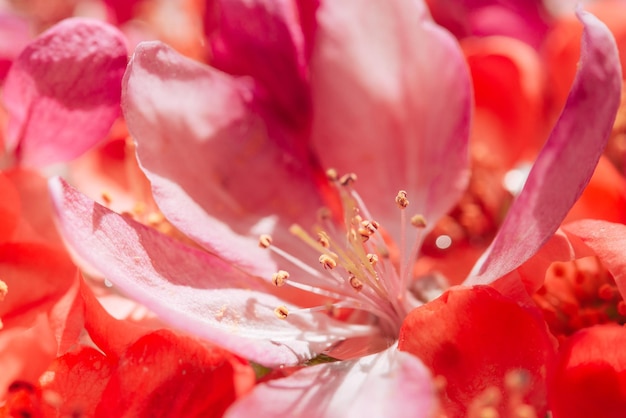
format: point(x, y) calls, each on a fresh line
point(355, 269)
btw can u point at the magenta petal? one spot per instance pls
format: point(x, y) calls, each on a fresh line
point(263, 39)
point(191, 289)
point(63, 92)
point(568, 159)
point(392, 101)
point(216, 174)
point(388, 384)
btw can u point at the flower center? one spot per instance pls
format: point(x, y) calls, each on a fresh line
point(358, 269)
point(579, 294)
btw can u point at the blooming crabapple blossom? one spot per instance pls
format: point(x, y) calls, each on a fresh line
point(235, 158)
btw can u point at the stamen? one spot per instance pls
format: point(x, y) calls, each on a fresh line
point(401, 199)
point(347, 179)
point(372, 258)
point(355, 283)
point(331, 175)
point(281, 312)
point(367, 229)
point(328, 262)
point(418, 221)
point(323, 240)
point(265, 241)
point(279, 278)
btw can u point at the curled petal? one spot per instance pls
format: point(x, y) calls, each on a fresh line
point(62, 93)
point(568, 159)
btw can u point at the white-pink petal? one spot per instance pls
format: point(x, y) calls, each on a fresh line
point(217, 172)
point(388, 384)
point(392, 103)
point(191, 289)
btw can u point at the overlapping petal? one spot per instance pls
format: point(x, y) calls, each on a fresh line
point(263, 39)
point(390, 384)
point(191, 289)
point(591, 376)
point(63, 92)
point(217, 173)
point(568, 159)
point(474, 338)
point(392, 103)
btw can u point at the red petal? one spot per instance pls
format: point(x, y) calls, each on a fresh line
point(79, 380)
point(590, 380)
point(474, 338)
point(36, 276)
point(9, 208)
point(165, 374)
point(37, 223)
point(111, 335)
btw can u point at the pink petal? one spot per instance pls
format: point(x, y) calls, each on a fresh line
point(568, 159)
point(216, 172)
point(263, 39)
point(14, 36)
point(608, 242)
point(191, 289)
point(63, 91)
point(387, 384)
point(392, 102)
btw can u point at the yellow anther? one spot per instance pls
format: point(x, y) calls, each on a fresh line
point(401, 199)
point(281, 312)
point(331, 174)
point(373, 259)
point(347, 179)
point(279, 278)
point(328, 262)
point(371, 226)
point(323, 240)
point(365, 234)
point(265, 241)
point(418, 221)
point(355, 283)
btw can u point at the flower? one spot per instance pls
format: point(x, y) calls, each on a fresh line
point(232, 158)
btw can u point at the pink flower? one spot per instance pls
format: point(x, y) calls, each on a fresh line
point(382, 92)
